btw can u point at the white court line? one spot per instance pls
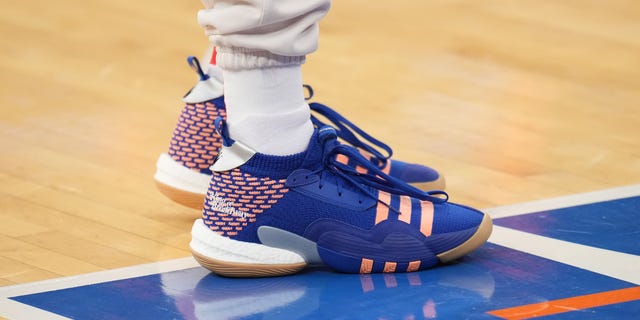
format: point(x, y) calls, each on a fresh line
point(563, 202)
point(98, 277)
point(619, 265)
point(15, 310)
point(518, 240)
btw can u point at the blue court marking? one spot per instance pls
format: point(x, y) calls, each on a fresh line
point(612, 225)
point(491, 278)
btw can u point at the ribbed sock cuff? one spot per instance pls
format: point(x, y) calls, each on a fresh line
point(243, 59)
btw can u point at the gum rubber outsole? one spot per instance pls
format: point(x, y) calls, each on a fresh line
point(478, 238)
point(185, 198)
point(254, 270)
point(245, 270)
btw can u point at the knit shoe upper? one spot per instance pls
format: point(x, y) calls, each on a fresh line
point(182, 173)
point(194, 143)
point(325, 211)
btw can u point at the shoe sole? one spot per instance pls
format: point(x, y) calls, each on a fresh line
point(185, 198)
point(232, 258)
point(179, 183)
point(479, 237)
point(243, 270)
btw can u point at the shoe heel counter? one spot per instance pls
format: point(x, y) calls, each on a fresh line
point(194, 142)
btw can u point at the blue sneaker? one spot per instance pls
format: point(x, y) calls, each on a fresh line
point(183, 174)
point(274, 215)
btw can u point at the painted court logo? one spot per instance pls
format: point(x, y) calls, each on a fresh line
point(222, 205)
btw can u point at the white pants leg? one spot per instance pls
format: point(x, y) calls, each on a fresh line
point(262, 33)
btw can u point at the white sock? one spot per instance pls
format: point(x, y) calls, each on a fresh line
point(266, 109)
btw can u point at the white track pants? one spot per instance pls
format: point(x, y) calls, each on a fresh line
point(252, 34)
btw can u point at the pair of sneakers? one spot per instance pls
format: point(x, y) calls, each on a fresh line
point(342, 203)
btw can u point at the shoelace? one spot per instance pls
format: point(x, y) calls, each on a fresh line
point(347, 131)
point(374, 177)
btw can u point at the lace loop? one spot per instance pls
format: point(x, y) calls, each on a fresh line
point(221, 127)
point(347, 131)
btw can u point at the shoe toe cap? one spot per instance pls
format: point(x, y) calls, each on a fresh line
point(451, 217)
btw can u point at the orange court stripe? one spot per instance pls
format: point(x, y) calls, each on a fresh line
point(382, 211)
point(405, 209)
point(366, 265)
point(568, 304)
point(426, 221)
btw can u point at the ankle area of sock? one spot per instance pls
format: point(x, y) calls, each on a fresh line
point(278, 134)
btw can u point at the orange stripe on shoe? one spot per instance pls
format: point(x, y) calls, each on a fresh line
point(405, 209)
point(413, 266)
point(366, 265)
point(426, 220)
point(342, 158)
point(389, 267)
point(568, 304)
point(362, 170)
point(382, 211)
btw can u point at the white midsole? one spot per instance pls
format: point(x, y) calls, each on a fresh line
point(173, 174)
point(210, 244)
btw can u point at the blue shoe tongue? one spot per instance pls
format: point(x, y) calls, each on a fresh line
point(313, 159)
point(323, 138)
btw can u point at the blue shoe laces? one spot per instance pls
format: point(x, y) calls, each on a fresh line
point(373, 178)
point(347, 131)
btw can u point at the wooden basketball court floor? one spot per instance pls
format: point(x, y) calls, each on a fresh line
point(514, 101)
